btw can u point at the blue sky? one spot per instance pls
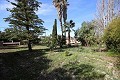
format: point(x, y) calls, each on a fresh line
point(78, 11)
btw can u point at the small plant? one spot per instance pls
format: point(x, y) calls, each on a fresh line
point(67, 53)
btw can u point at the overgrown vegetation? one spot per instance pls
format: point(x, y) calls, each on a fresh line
point(54, 36)
point(24, 19)
point(45, 64)
point(112, 35)
point(51, 58)
point(86, 34)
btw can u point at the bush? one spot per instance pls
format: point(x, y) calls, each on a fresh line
point(86, 34)
point(112, 35)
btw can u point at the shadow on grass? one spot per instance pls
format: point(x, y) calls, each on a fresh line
point(76, 72)
point(23, 65)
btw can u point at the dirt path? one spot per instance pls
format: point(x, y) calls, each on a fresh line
point(113, 63)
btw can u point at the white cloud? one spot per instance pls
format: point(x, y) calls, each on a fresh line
point(5, 5)
point(45, 9)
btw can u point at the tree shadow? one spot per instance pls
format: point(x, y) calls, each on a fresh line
point(75, 72)
point(23, 65)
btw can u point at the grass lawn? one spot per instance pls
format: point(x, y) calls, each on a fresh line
point(77, 63)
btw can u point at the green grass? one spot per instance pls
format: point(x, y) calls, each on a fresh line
point(41, 64)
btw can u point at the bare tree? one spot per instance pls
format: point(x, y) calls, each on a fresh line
point(117, 8)
point(100, 24)
point(107, 10)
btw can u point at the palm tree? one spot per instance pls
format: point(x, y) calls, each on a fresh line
point(69, 27)
point(61, 6)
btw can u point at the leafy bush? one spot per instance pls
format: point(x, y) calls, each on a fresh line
point(112, 35)
point(86, 34)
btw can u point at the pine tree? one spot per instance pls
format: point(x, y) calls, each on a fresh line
point(23, 16)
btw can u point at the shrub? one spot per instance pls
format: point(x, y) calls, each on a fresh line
point(112, 35)
point(86, 34)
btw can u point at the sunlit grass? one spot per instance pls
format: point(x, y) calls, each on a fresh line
point(103, 64)
point(85, 56)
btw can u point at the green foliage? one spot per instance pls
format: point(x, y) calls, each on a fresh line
point(23, 17)
point(112, 35)
point(80, 66)
point(3, 37)
point(86, 34)
point(61, 40)
point(46, 41)
point(69, 27)
point(15, 34)
point(54, 35)
point(83, 71)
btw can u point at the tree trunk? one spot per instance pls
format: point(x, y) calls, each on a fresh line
point(61, 42)
point(69, 38)
point(29, 45)
point(29, 41)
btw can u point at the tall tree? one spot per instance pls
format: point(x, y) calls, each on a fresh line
point(107, 10)
point(54, 35)
point(23, 16)
point(61, 6)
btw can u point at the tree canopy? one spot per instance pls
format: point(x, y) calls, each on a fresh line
point(23, 17)
point(54, 35)
point(86, 34)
